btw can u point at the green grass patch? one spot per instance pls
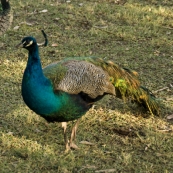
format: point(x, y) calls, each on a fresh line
point(134, 34)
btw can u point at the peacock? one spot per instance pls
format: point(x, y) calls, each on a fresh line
point(65, 90)
point(6, 16)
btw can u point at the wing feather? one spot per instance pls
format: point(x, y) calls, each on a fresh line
point(75, 76)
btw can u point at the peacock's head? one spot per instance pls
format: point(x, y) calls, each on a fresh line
point(27, 43)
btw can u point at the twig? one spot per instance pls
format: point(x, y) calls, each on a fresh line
point(169, 99)
point(105, 170)
point(167, 27)
point(165, 88)
point(99, 28)
point(87, 167)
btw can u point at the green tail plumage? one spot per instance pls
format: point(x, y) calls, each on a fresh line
point(127, 85)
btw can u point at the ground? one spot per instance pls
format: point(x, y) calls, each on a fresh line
point(113, 136)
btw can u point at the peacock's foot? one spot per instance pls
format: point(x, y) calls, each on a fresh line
point(74, 146)
point(70, 146)
point(67, 148)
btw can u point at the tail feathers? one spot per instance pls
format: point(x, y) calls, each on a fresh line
point(127, 86)
point(141, 96)
point(147, 99)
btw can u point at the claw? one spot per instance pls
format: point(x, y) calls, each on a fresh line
point(74, 146)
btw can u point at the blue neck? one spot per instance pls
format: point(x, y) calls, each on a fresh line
point(34, 67)
point(37, 90)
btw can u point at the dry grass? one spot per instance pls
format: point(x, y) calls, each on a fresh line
point(135, 34)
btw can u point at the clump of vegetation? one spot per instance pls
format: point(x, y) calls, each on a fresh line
point(113, 136)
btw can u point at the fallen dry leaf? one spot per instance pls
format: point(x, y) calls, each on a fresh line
point(105, 170)
point(54, 45)
point(27, 23)
point(10, 133)
point(57, 18)
point(169, 117)
point(16, 27)
point(86, 143)
point(43, 11)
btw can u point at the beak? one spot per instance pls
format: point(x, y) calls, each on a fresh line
point(20, 45)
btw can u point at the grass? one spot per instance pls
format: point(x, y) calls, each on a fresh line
point(135, 34)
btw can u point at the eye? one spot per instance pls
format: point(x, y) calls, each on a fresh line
point(27, 43)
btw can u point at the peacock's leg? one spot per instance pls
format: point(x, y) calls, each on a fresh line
point(64, 126)
point(73, 135)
